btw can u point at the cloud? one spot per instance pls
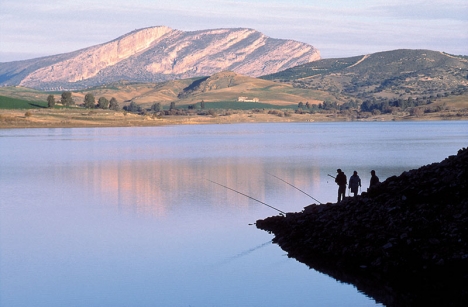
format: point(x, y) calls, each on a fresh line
point(360, 26)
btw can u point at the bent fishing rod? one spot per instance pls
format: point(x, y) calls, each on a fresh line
point(295, 187)
point(247, 196)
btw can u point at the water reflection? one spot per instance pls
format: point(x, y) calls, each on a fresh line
point(435, 289)
point(125, 217)
point(154, 187)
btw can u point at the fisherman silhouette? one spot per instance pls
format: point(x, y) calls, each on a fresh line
point(341, 182)
point(354, 183)
point(374, 179)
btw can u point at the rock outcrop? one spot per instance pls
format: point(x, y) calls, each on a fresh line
point(404, 242)
point(159, 54)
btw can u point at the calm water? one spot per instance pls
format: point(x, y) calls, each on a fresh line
point(127, 217)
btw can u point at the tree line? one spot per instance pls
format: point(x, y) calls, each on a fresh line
point(373, 105)
point(89, 101)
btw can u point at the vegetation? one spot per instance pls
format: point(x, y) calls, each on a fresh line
point(400, 82)
point(14, 103)
point(103, 103)
point(236, 105)
point(113, 104)
point(156, 107)
point(401, 78)
point(89, 101)
point(67, 99)
point(51, 101)
point(133, 107)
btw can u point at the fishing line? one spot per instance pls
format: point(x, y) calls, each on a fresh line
point(245, 253)
point(247, 196)
point(295, 187)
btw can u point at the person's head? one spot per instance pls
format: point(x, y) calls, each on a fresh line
point(354, 173)
point(372, 172)
point(338, 170)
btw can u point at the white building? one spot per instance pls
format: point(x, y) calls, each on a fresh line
point(246, 99)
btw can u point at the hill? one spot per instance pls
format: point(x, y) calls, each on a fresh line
point(229, 86)
point(390, 75)
point(159, 54)
point(399, 82)
point(220, 87)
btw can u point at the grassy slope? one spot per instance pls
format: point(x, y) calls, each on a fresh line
point(270, 94)
point(14, 103)
point(227, 86)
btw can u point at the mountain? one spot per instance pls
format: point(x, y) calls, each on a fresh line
point(396, 74)
point(158, 54)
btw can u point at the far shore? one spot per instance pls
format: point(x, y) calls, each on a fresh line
point(82, 118)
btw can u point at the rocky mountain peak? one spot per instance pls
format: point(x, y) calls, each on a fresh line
point(159, 54)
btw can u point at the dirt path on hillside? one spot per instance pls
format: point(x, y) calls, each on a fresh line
point(360, 61)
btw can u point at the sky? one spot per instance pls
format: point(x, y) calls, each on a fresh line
point(337, 28)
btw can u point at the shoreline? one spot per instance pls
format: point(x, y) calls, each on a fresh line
point(84, 118)
point(403, 242)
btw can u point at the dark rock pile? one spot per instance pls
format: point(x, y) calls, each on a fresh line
point(404, 242)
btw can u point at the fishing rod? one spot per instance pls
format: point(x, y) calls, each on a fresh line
point(247, 196)
point(333, 177)
point(295, 187)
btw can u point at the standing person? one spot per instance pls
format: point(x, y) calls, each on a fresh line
point(354, 183)
point(341, 182)
point(374, 179)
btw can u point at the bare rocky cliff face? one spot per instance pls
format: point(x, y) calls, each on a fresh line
point(159, 54)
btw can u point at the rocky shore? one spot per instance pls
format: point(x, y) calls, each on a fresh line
point(404, 242)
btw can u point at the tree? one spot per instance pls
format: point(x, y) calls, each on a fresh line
point(113, 104)
point(133, 107)
point(89, 101)
point(156, 107)
point(202, 105)
point(50, 101)
point(103, 103)
point(300, 105)
point(67, 98)
point(172, 106)
point(329, 105)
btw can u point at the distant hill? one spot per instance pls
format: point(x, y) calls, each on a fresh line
point(229, 86)
point(397, 74)
point(225, 86)
point(160, 54)
point(388, 80)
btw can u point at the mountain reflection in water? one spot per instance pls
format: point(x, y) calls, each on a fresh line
point(126, 217)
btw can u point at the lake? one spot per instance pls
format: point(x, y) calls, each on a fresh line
point(137, 216)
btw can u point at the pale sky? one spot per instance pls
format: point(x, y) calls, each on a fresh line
point(338, 28)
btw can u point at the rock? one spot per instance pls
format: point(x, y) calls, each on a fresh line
point(157, 54)
point(387, 246)
point(415, 230)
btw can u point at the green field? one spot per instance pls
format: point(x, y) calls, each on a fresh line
point(235, 105)
point(13, 103)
